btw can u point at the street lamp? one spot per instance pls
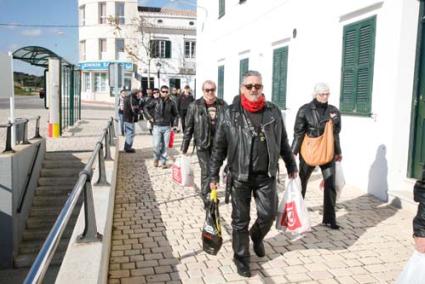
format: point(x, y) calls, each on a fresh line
point(158, 68)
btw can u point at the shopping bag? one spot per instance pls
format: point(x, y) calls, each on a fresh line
point(181, 172)
point(292, 214)
point(413, 272)
point(171, 142)
point(339, 179)
point(212, 239)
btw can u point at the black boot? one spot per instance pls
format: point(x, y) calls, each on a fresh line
point(257, 239)
point(242, 265)
point(241, 252)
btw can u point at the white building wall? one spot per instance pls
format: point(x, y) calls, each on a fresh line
point(375, 148)
point(177, 29)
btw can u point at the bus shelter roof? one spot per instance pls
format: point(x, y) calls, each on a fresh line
point(36, 55)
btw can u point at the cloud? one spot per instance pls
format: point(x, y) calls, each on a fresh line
point(12, 25)
point(56, 32)
point(32, 32)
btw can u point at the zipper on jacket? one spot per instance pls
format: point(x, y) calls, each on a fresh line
point(268, 148)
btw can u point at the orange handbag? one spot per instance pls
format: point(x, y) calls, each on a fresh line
point(317, 151)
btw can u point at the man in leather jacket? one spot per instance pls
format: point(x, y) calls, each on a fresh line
point(201, 122)
point(252, 135)
point(161, 112)
point(311, 120)
point(419, 220)
point(130, 116)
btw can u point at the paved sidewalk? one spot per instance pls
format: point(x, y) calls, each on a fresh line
point(157, 224)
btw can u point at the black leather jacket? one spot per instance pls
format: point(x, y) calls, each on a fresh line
point(162, 112)
point(131, 108)
point(419, 220)
point(198, 124)
point(234, 140)
point(309, 121)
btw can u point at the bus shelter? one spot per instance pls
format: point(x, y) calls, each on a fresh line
point(62, 86)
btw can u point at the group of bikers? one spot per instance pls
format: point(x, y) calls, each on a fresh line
point(251, 135)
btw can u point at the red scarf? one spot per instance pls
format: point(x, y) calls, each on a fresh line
point(253, 106)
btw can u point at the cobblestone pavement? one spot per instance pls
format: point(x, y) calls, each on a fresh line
point(157, 224)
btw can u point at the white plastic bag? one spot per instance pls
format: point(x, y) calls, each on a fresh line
point(414, 270)
point(292, 214)
point(181, 172)
point(339, 179)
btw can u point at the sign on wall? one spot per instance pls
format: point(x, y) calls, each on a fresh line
point(6, 78)
point(104, 65)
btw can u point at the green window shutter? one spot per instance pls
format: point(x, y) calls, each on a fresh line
point(243, 68)
point(153, 48)
point(357, 67)
point(280, 75)
point(221, 8)
point(168, 49)
point(220, 82)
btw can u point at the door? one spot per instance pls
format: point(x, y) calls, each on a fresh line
point(418, 145)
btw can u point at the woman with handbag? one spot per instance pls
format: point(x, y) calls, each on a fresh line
point(316, 138)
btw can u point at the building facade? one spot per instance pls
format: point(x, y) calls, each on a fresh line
point(147, 42)
point(368, 51)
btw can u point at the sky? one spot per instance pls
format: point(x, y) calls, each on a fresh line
point(22, 23)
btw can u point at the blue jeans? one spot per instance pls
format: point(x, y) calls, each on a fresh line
point(129, 135)
point(121, 117)
point(161, 138)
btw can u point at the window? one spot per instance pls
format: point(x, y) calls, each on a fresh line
point(357, 67)
point(189, 49)
point(99, 82)
point(191, 23)
point(221, 8)
point(159, 21)
point(102, 48)
point(280, 74)
point(82, 50)
point(102, 13)
point(220, 82)
point(119, 13)
point(160, 48)
point(119, 48)
point(241, 1)
point(86, 82)
point(243, 68)
point(82, 14)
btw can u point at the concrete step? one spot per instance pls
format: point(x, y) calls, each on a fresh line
point(54, 190)
point(45, 222)
point(50, 181)
point(52, 211)
point(34, 246)
point(41, 234)
point(47, 200)
point(67, 156)
point(61, 172)
point(26, 260)
point(55, 164)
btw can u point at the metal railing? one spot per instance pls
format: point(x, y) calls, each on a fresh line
point(21, 133)
point(90, 234)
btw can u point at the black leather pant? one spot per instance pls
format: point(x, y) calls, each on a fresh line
point(264, 191)
point(203, 158)
point(329, 197)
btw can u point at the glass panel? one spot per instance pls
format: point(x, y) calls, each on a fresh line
point(119, 13)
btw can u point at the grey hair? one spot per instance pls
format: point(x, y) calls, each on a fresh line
point(210, 82)
point(320, 88)
point(250, 73)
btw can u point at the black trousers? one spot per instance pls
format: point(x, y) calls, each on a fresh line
point(203, 158)
point(329, 197)
point(264, 191)
point(183, 119)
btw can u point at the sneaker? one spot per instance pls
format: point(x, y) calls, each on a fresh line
point(155, 163)
point(164, 166)
point(131, 150)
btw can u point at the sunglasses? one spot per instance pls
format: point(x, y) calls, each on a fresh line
point(209, 90)
point(164, 91)
point(256, 86)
